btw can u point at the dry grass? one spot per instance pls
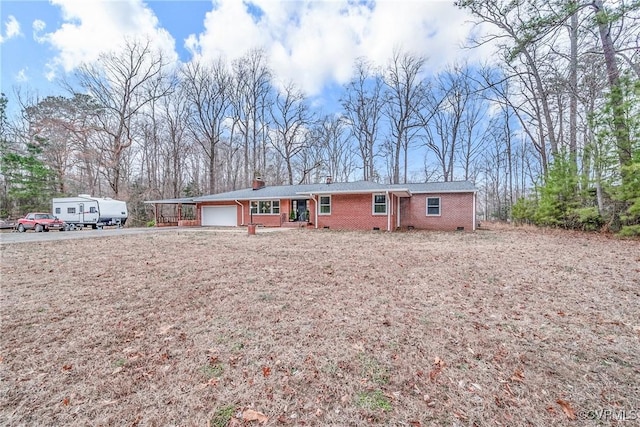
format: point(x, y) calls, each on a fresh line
point(500, 327)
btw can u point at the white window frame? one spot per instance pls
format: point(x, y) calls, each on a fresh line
point(374, 204)
point(439, 206)
point(254, 207)
point(320, 205)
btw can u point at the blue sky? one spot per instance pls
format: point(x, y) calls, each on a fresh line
point(312, 43)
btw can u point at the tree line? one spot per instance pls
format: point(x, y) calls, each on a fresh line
point(548, 131)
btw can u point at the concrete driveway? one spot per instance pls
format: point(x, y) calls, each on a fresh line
point(9, 237)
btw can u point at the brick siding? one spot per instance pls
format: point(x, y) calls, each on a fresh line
point(353, 212)
point(456, 210)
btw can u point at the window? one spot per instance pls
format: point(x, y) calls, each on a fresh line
point(433, 206)
point(379, 204)
point(265, 207)
point(325, 205)
point(93, 209)
point(57, 210)
point(71, 210)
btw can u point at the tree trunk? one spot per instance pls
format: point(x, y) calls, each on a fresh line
point(623, 142)
point(573, 95)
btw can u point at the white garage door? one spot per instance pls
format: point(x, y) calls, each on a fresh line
point(220, 215)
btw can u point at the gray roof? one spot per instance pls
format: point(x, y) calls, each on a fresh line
point(183, 200)
point(302, 190)
point(357, 187)
point(439, 187)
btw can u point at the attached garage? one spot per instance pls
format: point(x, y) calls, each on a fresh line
point(220, 216)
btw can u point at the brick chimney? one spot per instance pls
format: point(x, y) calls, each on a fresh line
point(329, 178)
point(258, 183)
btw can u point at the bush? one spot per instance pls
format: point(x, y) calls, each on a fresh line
point(630, 231)
point(523, 211)
point(586, 219)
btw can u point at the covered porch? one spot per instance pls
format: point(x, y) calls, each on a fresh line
point(180, 212)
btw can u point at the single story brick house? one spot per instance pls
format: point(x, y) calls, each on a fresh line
point(360, 205)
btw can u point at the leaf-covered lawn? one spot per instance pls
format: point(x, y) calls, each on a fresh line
point(320, 328)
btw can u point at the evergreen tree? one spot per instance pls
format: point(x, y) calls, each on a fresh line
point(29, 182)
point(557, 196)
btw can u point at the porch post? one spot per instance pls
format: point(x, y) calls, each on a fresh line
point(389, 209)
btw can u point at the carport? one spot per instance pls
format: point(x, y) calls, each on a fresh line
point(172, 212)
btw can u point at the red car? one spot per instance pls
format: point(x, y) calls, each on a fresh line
point(39, 221)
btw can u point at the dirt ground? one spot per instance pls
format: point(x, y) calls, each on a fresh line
point(501, 327)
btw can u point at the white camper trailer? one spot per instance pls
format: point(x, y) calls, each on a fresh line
point(85, 210)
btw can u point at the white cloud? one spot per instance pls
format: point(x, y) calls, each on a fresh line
point(11, 29)
point(312, 42)
point(91, 28)
point(22, 76)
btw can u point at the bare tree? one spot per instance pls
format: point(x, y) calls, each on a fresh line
point(335, 151)
point(252, 93)
point(362, 104)
point(510, 19)
point(207, 89)
point(123, 84)
point(404, 92)
point(455, 114)
point(291, 119)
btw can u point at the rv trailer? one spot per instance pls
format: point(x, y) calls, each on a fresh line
point(87, 211)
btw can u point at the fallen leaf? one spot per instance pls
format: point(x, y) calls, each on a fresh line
point(415, 423)
point(266, 371)
point(434, 373)
point(497, 401)
point(517, 375)
point(251, 415)
point(567, 409)
point(65, 401)
point(67, 367)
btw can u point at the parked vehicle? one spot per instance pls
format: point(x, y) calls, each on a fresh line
point(39, 221)
point(6, 224)
point(87, 211)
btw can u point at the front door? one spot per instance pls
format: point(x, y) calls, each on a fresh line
point(300, 208)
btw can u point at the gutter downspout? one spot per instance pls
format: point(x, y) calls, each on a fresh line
point(315, 202)
point(398, 213)
point(241, 210)
point(155, 213)
point(390, 203)
point(474, 211)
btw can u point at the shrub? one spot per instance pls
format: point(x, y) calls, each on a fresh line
point(586, 219)
point(523, 211)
